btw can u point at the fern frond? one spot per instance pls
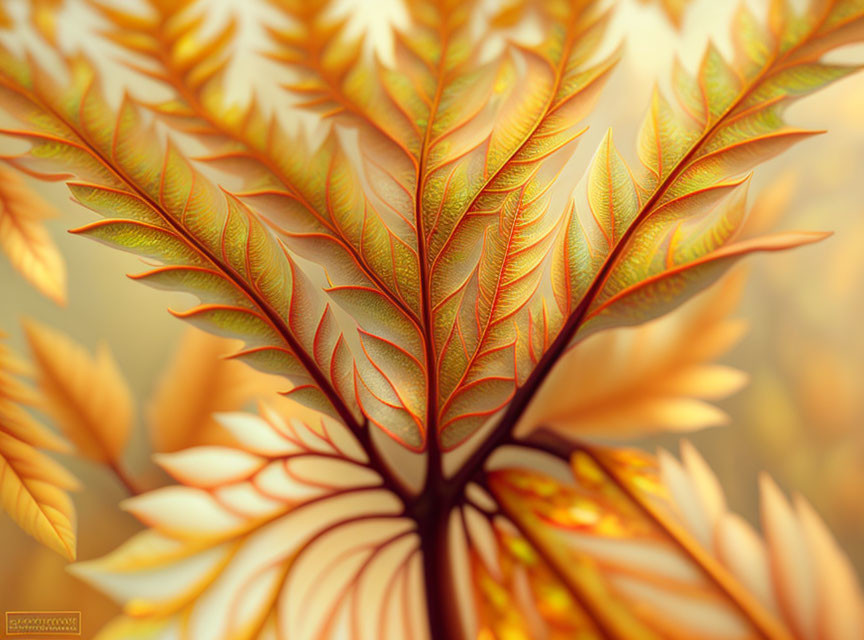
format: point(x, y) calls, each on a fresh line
point(489, 229)
point(631, 249)
point(33, 487)
point(305, 495)
point(157, 205)
point(315, 201)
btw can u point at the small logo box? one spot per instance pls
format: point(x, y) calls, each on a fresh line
point(43, 623)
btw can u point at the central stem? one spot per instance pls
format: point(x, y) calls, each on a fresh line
point(431, 511)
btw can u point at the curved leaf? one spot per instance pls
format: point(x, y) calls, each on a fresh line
point(33, 487)
point(647, 548)
point(292, 518)
point(163, 208)
point(657, 376)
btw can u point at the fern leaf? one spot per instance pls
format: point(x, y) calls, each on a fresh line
point(633, 248)
point(158, 206)
point(318, 208)
point(305, 495)
point(24, 239)
point(656, 376)
point(197, 384)
point(730, 120)
point(647, 548)
point(495, 231)
point(33, 487)
point(87, 397)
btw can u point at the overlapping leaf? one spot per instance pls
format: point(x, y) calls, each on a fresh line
point(631, 249)
point(730, 119)
point(198, 383)
point(440, 227)
point(483, 144)
point(33, 487)
point(659, 376)
point(645, 547)
point(315, 200)
point(293, 519)
point(437, 231)
point(157, 205)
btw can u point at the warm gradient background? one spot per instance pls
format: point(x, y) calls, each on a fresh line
point(801, 418)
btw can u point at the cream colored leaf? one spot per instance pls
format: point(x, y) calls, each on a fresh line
point(290, 533)
point(24, 239)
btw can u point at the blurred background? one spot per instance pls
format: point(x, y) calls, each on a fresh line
point(801, 418)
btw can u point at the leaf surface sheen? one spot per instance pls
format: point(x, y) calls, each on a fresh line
point(628, 528)
point(443, 226)
point(451, 264)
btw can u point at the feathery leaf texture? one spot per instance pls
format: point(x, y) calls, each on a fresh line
point(416, 277)
point(290, 533)
point(24, 239)
point(451, 185)
point(33, 487)
point(250, 523)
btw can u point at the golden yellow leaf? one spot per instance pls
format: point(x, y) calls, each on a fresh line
point(86, 395)
point(24, 239)
point(33, 487)
point(43, 15)
point(648, 549)
point(199, 382)
point(674, 9)
point(655, 376)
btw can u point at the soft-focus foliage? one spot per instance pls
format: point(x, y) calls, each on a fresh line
point(33, 487)
point(24, 240)
point(430, 284)
point(654, 377)
point(651, 550)
point(197, 384)
point(87, 397)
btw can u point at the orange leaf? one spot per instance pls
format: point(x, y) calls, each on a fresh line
point(32, 486)
point(87, 396)
point(197, 384)
point(24, 239)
